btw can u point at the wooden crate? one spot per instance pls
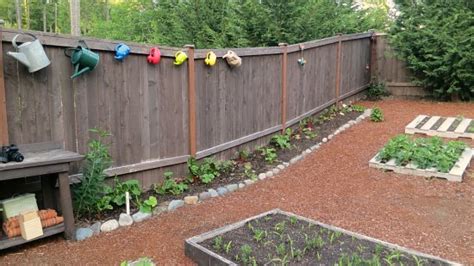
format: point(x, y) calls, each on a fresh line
point(461, 131)
point(455, 174)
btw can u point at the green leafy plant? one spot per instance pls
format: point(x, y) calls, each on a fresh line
point(116, 196)
point(90, 191)
point(282, 141)
point(170, 186)
point(293, 220)
point(376, 115)
point(280, 227)
point(259, 235)
point(423, 152)
point(217, 243)
point(145, 261)
point(309, 133)
point(208, 169)
point(245, 254)
point(249, 172)
point(243, 155)
point(358, 108)
point(281, 249)
point(149, 204)
point(269, 154)
point(376, 91)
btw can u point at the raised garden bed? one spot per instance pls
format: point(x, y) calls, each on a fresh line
point(427, 157)
point(446, 127)
point(281, 238)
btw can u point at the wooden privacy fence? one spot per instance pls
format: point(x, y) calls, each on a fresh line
point(161, 114)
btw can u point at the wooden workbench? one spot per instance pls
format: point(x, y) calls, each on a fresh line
point(51, 162)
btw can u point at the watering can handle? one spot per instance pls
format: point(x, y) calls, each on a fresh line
point(16, 36)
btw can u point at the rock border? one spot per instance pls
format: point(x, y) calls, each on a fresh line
point(113, 224)
point(203, 256)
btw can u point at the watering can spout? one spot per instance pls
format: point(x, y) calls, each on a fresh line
point(20, 57)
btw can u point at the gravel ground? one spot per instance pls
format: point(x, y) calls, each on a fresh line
point(333, 185)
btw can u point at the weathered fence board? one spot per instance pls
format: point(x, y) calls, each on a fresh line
point(145, 107)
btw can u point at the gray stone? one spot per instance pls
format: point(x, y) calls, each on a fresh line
point(281, 166)
point(213, 193)
point(330, 136)
point(83, 233)
point(241, 185)
point(110, 225)
point(125, 220)
point(325, 140)
point(286, 164)
point(308, 151)
point(295, 159)
point(269, 174)
point(95, 227)
point(262, 176)
point(160, 209)
point(141, 216)
point(315, 147)
point(204, 195)
point(222, 191)
point(232, 187)
point(174, 204)
point(248, 182)
point(276, 170)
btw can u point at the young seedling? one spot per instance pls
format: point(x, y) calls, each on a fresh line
point(259, 235)
point(245, 253)
point(228, 247)
point(269, 154)
point(217, 245)
point(281, 249)
point(249, 172)
point(293, 220)
point(280, 227)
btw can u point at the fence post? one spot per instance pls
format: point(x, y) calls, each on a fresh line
point(373, 57)
point(283, 100)
point(3, 103)
point(338, 68)
point(191, 100)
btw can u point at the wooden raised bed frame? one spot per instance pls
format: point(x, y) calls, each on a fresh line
point(455, 174)
point(461, 130)
point(204, 256)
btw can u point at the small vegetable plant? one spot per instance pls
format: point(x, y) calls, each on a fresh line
point(282, 141)
point(376, 91)
point(269, 154)
point(148, 205)
point(208, 170)
point(170, 186)
point(377, 115)
point(423, 152)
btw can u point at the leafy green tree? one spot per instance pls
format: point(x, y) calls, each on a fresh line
point(436, 39)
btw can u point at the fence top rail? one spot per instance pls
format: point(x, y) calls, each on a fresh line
point(62, 40)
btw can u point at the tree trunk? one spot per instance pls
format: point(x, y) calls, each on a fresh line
point(44, 18)
point(75, 9)
point(18, 13)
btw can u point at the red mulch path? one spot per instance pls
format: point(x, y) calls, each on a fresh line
point(333, 185)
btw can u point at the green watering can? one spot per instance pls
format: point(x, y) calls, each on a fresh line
point(83, 59)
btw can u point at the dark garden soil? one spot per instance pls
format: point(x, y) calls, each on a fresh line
point(455, 124)
point(299, 143)
point(276, 238)
point(333, 185)
point(438, 123)
point(422, 122)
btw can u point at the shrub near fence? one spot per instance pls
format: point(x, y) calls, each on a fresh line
point(161, 114)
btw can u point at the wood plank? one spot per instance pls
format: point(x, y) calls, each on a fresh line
point(191, 101)
point(65, 202)
point(463, 162)
point(284, 63)
point(430, 123)
point(446, 124)
point(146, 165)
point(16, 241)
point(463, 125)
point(409, 128)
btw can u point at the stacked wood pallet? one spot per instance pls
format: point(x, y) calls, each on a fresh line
point(445, 127)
